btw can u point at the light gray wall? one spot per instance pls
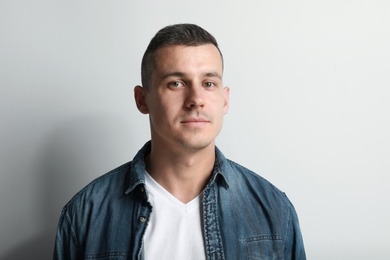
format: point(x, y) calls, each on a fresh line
point(310, 105)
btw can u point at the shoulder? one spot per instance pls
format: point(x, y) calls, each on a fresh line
point(241, 179)
point(254, 185)
point(106, 186)
point(104, 198)
point(241, 173)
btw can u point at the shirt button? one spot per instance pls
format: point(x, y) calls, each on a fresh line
point(142, 219)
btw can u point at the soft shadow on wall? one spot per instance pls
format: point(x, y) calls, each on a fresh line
point(73, 154)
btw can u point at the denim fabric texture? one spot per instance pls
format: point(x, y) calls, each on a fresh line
point(245, 216)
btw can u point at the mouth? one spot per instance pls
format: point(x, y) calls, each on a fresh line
point(194, 121)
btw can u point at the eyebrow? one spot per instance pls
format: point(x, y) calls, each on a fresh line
point(173, 74)
point(213, 75)
point(181, 74)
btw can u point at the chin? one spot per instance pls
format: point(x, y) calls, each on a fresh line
point(197, 145)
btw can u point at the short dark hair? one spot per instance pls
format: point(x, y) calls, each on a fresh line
point(177, 34)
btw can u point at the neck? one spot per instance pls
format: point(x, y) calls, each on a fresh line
point(183, 174)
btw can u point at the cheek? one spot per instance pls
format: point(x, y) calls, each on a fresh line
point(223, 105)
point(162, 112)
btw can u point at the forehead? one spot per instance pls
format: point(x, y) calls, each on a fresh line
point(185, 57)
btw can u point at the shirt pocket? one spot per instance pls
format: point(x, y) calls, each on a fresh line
point(264, 247)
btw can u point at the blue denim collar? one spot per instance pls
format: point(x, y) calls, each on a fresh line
point(137, 169)
point(222, 169)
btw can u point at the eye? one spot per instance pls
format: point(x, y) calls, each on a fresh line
point(175, 84)
point(209, 84)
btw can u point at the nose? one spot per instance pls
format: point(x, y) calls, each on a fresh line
point(195, 98)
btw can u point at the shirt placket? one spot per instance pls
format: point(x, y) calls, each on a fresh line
point(212, 234)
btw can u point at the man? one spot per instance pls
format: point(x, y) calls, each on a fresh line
point(180, 198)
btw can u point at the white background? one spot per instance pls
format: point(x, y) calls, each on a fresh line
point(310, 105)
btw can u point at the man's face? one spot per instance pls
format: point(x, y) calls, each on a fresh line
point(186, 100)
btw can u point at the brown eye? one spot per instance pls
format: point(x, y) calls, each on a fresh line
point(175, 84)
point(209, 84)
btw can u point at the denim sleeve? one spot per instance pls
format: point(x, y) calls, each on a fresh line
point(65, 245)
point(294, 248)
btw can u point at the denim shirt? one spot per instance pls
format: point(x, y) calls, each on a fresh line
point(244, 216)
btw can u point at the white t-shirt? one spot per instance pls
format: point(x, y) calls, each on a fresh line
point(175, 229)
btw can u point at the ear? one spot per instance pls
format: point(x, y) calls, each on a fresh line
point(226, 92)
point(140, 99)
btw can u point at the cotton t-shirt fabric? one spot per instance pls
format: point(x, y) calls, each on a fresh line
point(174, 230)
